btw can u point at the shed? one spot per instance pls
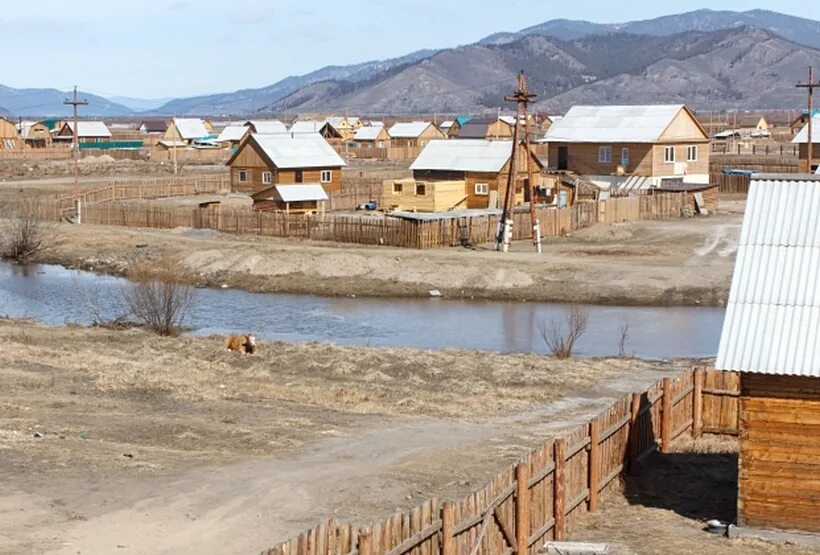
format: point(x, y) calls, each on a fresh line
point(770, 336)
point(295, 197)
point(424, 196)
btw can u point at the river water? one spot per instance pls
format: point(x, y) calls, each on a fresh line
point(55, 295)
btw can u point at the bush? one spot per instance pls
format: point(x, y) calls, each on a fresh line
point(159, 298)
point(24, 235)
point(560, 337)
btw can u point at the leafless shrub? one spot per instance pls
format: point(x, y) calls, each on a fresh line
point(561, 336)
point(623, 338)
point(24, 234)
point(160, 297)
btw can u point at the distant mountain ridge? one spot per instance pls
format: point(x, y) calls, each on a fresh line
point(49, 103)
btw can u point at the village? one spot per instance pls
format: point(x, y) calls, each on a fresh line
point(354, 332)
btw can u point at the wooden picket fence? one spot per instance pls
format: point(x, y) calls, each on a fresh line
point(50, 153)
point(540, 498)
point(758, 163)
point(731, 184)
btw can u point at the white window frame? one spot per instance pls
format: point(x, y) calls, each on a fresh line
point(326, 176)
point(669, 154)
point(267, 178)
point(624, 156)
point(604, 154)
point(242, 176)
point(692, 153)
point(482, 189)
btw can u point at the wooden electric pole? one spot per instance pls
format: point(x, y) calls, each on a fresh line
point(522, 99)
point(74, 102)
point(810, 86)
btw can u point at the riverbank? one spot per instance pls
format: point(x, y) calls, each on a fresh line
point(119, 438)
point(663, 263)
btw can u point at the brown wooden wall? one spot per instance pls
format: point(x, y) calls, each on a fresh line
point(779, 473)
point(803, 154)
point(644, 159)
point(7, 129)
point(248, 159)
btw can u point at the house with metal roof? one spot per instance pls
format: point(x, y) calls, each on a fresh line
point(802, 140)
point(290, 159)
point(153, 126)
point(187, 130)
point(232, 135)
point(414, 133)
point(8, 133)
point(87, 132)
point(35, 134)
point(494, 128)
point(770, 336)
point(323, 128)
point(303, 198)
point(266, 127)
point(483, 166)
point(372, 136)
point(608, 144)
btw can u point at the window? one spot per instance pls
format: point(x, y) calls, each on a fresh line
point(482, 189)
point(297, 176)
point(243, 176)
point(692, 153)
point(326, 176)
point(267, 178)
point(669, 154)
point(605, 154)
point(397, 188)
point(421, 189)
point(624, 156)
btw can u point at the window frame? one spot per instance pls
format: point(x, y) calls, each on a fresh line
point(605, 150)
point(421, 187)
point(666, 154)
point(692, 153)
point(398, 188)
point(326, 173)
point(267, 178)
point(481, 189)
point(298, 176)
point(625, 156)
point(242, 176)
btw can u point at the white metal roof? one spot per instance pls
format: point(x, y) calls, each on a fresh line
point(337, 121)
point(91, 129)
point(305, 150)
point(367, 133)
point(306, 126)
point(445, 124)
point(191, 128)
point(468, 155)
point(803, 135)
point(232, 133)
point(268, 127)
point(610, 124)
point(409, 130)
point(772, 321)
point(301, 192)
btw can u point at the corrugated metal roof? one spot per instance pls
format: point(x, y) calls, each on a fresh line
point(301, 192)
point(232, 133)
point(469, 155)
point(191, 128)
point(305, 150)
point(803, 136)
point(267, 127)
point(772, 320)
point(91, 129)
point(409, 130)
point(606, 124)
point(367, 133)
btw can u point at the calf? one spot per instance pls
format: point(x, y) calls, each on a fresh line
point(242, 343)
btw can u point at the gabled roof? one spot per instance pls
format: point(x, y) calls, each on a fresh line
point(307, 126)
point(803, 136)
point(232, 133)
point(772, 319)
point(154, 125)
point(90, 129)
point(307, 150)
point(337, 121)
point(446, 124)
point(368, 133)
point(478, 128)
point(267, 127)
point(614, 124)
point(410, 130)
point(300, 192)
point(469, 155)
point(191, 128)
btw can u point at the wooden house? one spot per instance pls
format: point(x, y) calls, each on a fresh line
point(343, 126)
point(456, 126)
point(303, 198)
point(487, 128)
point(8, 133)
point(414, 134)
point(802, 142)
point(37, 134)
point(186, 131)
point(266, 127)
point(770, 336)
point(232, 135)
point(265, 160)
point(372, 137)
point(751, 123)
point(482, 165)
point(609, 144)
point(423, 196)
point(322, 128)
point(153, 126)
point(87, 132)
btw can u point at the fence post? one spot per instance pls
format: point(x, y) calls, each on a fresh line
point(634, 433)
point(666, 415)
point(364, 542)
point(522, 507)
point(559, 457)
point(697, 403)
point(448, 521)
point(594, 463)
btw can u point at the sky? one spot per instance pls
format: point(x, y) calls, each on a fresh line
point(171, 48)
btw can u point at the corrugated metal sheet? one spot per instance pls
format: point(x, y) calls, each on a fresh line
point(304, 150)
point(301, 192)
point(627, 124)
point(232, 133)
point(772, 321)
point(367, 133)
point(803, 136)
point(191, 128)
point(469, 155)
point(409, 130)
point(91, 129)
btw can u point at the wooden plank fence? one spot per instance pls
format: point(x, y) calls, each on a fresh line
point(539, 498)
point(731, 184)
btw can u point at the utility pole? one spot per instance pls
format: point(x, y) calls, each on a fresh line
point(810, 86)
point(174, 142)
point(522, 98)
point(75, 147)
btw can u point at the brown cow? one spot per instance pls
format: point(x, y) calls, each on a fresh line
point(242, 343)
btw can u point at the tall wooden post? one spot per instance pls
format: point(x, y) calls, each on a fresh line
point(558, 493)
point(594, 463)
point(522, 507)
point(365, 547)
point(448, 521)
point(634, 433)
point(697, 403)
point(666, 415)
point(810, 86)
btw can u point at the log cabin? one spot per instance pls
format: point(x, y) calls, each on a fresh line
point(414, 134)
point(265, 160)
point(609, 144)
point(770, 336)
point(802, 142)
point(87, 132)
point(482, 165)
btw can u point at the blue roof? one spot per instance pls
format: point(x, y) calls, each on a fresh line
point(461, 120)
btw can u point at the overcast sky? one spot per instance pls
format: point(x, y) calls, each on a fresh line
point(162, 48)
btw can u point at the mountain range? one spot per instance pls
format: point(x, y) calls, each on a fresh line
point(705, 58)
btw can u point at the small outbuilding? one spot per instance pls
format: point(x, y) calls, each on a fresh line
point(300, 198)
point(423, 196)
point(770, 335)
